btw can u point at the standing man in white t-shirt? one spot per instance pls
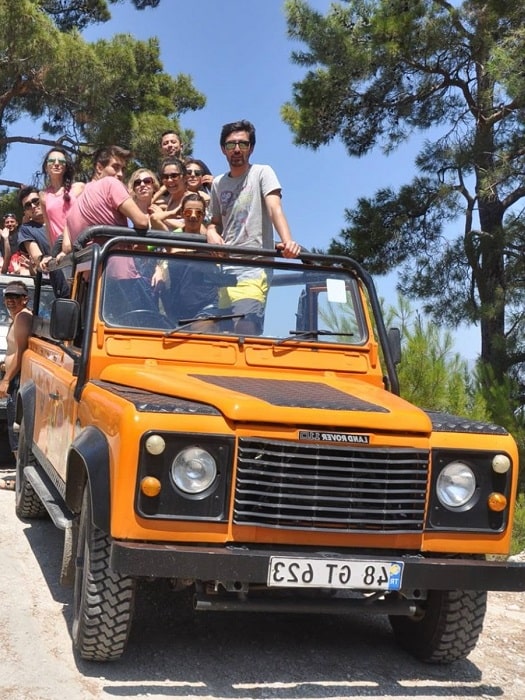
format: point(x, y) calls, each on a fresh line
point(245, 208)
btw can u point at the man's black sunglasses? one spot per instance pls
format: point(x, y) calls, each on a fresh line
point(32, 203)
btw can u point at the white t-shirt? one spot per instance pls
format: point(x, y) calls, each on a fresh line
point(239, 202)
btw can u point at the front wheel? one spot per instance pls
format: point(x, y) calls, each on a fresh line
point(446, 630)
point(103, 599)
point(27, 502)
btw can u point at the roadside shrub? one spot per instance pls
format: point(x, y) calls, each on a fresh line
point(518, 532)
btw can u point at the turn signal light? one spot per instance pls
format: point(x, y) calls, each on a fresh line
point(497, 502)
point(150, 486)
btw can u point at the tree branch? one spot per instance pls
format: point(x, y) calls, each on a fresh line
point(11, 183)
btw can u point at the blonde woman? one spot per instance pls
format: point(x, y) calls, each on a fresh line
point(142, 186)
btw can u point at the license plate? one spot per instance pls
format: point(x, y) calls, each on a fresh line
point(290, 572)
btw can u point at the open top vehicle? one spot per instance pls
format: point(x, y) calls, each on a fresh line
point(272, 471)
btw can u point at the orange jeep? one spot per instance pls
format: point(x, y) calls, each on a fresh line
point(270, 469)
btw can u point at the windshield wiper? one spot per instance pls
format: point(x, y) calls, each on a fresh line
point(185, 322)
point(297, 335)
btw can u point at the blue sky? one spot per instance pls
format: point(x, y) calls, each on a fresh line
point(239, 56)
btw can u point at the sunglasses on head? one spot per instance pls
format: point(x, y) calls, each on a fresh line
point(143, 181)
point(31, 203)
point(9, 216)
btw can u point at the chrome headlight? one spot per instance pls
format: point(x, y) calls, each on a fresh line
point(455, 485)
point(193, 470)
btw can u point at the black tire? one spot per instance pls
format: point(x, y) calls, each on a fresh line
point(27, 502)
point(103, 599)
point(447, 629)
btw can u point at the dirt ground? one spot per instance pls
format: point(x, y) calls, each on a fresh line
point(225, 656)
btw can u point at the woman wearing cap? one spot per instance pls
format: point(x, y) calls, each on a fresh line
point(15, 300)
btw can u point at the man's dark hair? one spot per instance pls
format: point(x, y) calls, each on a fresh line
point(106, 153)
point(170, 131)
point(25, 192)
point(243, 125)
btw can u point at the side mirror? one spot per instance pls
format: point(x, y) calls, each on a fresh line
point(394, 344)
point(65, 316)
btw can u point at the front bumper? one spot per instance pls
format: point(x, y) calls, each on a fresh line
point(250, 565)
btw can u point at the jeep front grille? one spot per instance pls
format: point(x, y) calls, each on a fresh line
point(291, 485)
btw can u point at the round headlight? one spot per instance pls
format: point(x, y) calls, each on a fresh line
point(456, 485)
point(193, 470)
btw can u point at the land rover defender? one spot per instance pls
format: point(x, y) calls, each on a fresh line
point(274, 470)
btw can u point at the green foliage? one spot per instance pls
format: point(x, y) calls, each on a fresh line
point(505, 400)
point(78, 14)
point(86, 94)
point(376, 73)
point(431, 374)
point(9, 203)
point(518, 531)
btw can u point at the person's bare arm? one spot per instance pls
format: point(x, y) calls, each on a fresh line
point(33, 250)
point(66, 241)
point(166, 219)
point(289, 247)
point(131, 211)
point(42, 197)
point(7, 250)
point(213, 235)
point(159, 194)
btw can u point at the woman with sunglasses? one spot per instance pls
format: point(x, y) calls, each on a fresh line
point(166, 212)
point(142, 186)
point(60, 192)
point(199, 179)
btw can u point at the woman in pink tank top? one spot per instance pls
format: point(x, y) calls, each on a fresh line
point(61, 191)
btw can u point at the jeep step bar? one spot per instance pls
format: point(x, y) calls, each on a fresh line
point(52, 501)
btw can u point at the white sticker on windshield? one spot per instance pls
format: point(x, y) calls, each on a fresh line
point(336, 291)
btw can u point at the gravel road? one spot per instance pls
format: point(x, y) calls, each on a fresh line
point(177, 654)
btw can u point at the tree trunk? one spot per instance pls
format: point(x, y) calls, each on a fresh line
point(490, 280)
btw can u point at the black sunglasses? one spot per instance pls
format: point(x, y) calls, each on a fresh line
point(31, 203)
point(144, 180)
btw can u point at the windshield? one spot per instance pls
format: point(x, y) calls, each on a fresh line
point(284, 301)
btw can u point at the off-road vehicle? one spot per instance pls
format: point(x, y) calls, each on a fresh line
point(273, 470)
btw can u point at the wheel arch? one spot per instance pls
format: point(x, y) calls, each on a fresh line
point(25, 406)
point(88, 463)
